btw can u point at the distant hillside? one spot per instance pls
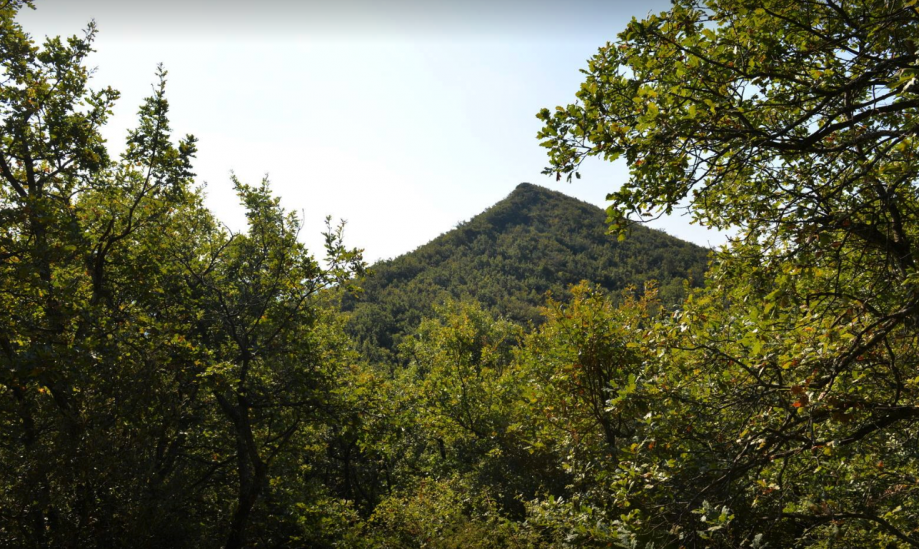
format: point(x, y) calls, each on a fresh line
point(532, 242)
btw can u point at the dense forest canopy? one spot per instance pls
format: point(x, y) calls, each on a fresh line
point(165, 382)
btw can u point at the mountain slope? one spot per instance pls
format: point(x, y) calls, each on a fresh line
point(532, 242)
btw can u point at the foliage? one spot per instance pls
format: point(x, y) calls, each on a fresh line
point(583, 369)
point(446, 514)
point(787, 387)
point(462, 369)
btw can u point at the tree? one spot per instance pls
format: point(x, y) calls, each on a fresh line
point(792, 124)
point(77, 228)
point(582, 369)
point(256, 294)
point(465, 387)
point(155, 368)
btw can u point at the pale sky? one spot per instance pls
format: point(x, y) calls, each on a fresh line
point(402, 117)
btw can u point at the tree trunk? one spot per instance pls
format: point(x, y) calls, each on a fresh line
point(252, 471)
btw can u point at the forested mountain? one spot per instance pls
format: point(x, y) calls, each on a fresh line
point(167, 382)
point(508, 257)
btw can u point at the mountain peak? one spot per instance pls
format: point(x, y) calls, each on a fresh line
point(536, 240)
point(530, 204)
point(531, 189)
point(526, 187)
